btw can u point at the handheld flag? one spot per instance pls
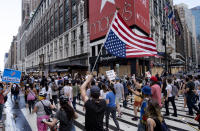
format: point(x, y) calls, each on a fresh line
point(121, 41)
point(170, 15)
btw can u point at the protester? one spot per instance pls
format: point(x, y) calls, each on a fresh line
point(75, 89)
point(170, 98)
point(154, 117)
point(66, 115)
point(32, 96)
point(40, 111)
point(95, 107)
point(156, 90)
point(119, 95)
point(3, 93)
point(111, 107)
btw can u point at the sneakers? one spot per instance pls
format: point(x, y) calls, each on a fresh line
point(174, 115)
point(166, 115)
point(134, 118)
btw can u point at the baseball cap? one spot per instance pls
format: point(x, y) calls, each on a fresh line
point(153, 78)
point(117, 78)
point(146, 90)
point(95, 90)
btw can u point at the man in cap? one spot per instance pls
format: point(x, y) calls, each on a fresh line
point(95, 107)
point(155, 90)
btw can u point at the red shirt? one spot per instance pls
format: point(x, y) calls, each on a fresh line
point(1, 99)
point(156, 93)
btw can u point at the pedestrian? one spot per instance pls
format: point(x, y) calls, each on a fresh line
point(103, 91)
point(75, 89)
point(95, 107)
point(68, 91)
point(3, 93)
point(146, 94)
point(31, 97)
point(16, 90)
point(154, 117)
point(137, 97)
point(39, 109)
point(170, 98)
point(47, 90)
point(54, 91)
point(156, 90)
point(66, 115)
point(119, 95)
point(111, 107)
point(191, 97)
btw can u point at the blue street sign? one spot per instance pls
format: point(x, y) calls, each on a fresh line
point(12, 76)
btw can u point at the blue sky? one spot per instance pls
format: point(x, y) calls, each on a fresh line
point(10, 14)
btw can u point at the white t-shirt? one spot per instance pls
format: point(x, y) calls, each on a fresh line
point(49, 93)
point(169, 88)
point(68, 91)
point(103, 94)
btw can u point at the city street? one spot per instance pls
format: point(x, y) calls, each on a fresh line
point(19, 119)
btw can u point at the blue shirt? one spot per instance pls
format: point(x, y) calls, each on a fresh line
point(143, 107)
point(111, 97)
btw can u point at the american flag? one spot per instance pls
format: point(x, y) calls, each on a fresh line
point(121, 41)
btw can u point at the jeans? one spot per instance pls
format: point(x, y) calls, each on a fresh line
point(15, 97)
point(1, 110)
point(111, 110)
point(172, 100)
point(30, 105)
point(190, 104)
point(74, 102)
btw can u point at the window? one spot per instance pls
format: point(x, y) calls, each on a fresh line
point(61, 20)
point(73, 35)
point(74, 13)
point(155, 8)
point(56, 24)
point(74, 49)
point(82, 47)
point(52, 28)
point(66, 14)
point(81, 29)
point(93, 51)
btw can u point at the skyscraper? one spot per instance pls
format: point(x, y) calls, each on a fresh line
point(196, 13)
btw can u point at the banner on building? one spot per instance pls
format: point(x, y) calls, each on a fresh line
point(134, 12)
point(12, 76)
point(111, 74)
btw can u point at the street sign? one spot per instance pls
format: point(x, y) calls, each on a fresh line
point(12, 76)
point(111, 74)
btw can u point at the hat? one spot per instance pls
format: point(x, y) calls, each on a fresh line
point(146, 90)
point(117, 79)
point(42, 93)
point(95, 90)
point(153, 78)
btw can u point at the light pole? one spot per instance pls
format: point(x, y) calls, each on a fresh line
point(49, 56)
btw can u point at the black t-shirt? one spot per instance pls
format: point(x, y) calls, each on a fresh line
point(65, 124)
point(94, 115)
point(191, 87)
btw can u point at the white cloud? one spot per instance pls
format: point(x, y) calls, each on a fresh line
point(190, 3)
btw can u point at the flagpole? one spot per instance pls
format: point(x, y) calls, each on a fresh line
point(104, 42)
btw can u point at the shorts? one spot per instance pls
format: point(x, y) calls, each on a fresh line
point(137, 103)
point(118, 100)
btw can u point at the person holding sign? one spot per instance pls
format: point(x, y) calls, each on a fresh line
point(3, 93)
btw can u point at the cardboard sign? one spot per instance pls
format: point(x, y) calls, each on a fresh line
point(12, 76)
point(111, 74)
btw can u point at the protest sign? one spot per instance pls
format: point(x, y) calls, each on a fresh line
point(12, 76)
point(111, 74)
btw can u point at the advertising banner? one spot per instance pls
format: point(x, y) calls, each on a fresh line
point(134, 12)
point(12, 76)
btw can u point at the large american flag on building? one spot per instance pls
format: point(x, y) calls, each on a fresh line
point(121, 41)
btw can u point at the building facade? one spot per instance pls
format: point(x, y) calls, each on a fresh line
point(57, 36)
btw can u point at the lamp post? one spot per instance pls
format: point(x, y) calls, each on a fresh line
point(49, 56)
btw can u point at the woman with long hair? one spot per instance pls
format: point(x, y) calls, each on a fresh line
point(111, 106)
point(154, 117)
point(31, 97)
point(65, 115)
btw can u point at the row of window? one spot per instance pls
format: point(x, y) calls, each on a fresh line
point(56, 21)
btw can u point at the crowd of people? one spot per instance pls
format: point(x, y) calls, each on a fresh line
point(56, 97)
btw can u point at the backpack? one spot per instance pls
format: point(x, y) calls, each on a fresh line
point(174, 90)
